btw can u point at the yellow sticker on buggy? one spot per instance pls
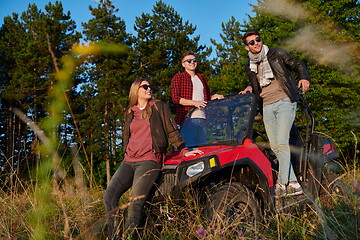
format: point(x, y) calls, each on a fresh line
point(212, 162)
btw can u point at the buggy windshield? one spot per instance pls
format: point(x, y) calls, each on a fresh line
point(228, 120)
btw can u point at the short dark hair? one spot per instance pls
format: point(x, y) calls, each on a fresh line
point(249, 33)
point(187, 53)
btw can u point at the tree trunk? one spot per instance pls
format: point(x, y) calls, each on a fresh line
point(106, 143)
point(91, 169)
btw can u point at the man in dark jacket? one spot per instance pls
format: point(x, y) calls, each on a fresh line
point(270, 74)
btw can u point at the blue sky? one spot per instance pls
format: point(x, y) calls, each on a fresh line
point(206, 15)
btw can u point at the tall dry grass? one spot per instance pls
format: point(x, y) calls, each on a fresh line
point(75, 213)
point(69, 213)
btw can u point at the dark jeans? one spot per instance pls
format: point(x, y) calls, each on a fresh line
point(141, 177)
point(193, 131)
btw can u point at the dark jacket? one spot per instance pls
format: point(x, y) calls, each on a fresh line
point(162, 127)
point(282, 65)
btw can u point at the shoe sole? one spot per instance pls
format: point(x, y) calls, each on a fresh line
point(281, 196)
point(295, 193)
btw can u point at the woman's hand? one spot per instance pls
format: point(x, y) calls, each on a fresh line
point(193, 153)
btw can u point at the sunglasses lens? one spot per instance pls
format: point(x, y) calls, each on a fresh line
point(190, 60)
point(146, 86)
point(252, 42)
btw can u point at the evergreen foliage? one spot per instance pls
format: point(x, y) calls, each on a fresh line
point(162, 38)
point(229, 76)
point(324, 34)
point(30, 47)
point(104, 91)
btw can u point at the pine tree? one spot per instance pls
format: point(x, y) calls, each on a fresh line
point(228, 64)
point(162, 38)
point(30, 49)
point(332, 51)
point(105, 92)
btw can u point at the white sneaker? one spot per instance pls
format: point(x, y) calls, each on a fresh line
point(294, 189)
point(280, 190)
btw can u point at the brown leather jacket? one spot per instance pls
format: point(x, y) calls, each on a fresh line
point(282, 64)
point(162, 127)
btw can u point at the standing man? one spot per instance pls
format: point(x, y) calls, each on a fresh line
point(269, 71)
point(189, 89)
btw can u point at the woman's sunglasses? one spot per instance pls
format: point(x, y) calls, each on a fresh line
point(145, 86)
point(252, 42)
point(190, 60)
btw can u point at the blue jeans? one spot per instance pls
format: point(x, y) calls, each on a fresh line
point(193, 131)
point(278, 118)
point(141, 177)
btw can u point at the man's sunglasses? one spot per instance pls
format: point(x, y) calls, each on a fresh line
point(189, 60)
point(145, 86)
point(252, 42)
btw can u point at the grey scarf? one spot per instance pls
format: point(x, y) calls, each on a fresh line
point(265, 74)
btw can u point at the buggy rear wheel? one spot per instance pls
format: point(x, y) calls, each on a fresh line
point(332, 184)
point(333, 187)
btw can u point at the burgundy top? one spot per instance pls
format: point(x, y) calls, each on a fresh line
point(140, 147)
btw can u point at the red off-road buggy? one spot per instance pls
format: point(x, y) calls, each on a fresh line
point(235, 176)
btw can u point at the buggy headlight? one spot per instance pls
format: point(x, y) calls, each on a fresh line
point(195, 169)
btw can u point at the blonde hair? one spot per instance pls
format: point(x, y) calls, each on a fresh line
point(133, 98)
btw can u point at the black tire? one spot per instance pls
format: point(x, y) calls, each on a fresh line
point(332, 187)
point(235, 206)
point(332, 184)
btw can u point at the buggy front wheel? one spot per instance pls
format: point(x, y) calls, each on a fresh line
point(235, 207)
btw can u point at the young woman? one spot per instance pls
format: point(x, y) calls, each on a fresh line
point(148, 127)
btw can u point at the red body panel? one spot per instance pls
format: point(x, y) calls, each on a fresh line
point(227, 154)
